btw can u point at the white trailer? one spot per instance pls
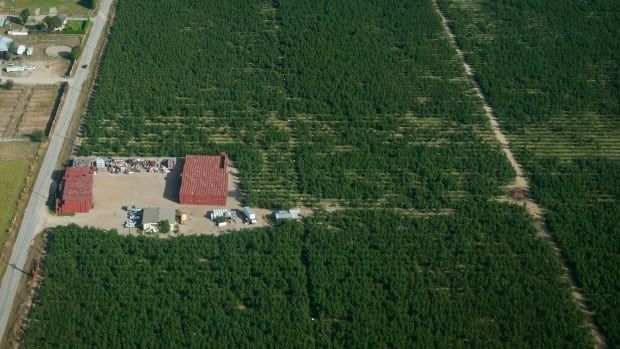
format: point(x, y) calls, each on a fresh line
point(17, 33)
point(249, 215)
point(14, 68)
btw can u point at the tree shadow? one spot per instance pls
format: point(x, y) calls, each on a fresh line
point(86, 3)
point(65, 55)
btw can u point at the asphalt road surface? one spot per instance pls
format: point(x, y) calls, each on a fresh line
point(36, 211)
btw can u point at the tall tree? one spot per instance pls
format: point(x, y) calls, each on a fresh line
point(24, 15)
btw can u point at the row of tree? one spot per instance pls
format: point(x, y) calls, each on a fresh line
point(555, 63)
point(369, 278)
point(478, 278)
point(239, 290)
point(319, 95)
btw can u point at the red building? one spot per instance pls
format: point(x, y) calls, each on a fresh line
point(204, 180)
point(76, 190)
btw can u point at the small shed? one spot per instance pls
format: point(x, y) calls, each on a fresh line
point(5, 43)
point(21, 49)
point(153, 216)
point(183, 218)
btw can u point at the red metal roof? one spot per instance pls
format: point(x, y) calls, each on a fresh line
point(204, 177)
point(78, 184)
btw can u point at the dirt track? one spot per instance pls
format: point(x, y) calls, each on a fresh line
point(522, 185)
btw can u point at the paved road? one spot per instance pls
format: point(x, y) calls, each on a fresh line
point(36, 211)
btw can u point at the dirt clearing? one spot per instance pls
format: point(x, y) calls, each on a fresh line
point(113, 191)
point(24, 109)
point(18, 150)
point(58, 51)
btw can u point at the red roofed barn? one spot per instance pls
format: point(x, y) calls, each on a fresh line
point(204, 180)
point(76, 190)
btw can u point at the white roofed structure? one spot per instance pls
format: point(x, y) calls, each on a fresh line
point(5, 43)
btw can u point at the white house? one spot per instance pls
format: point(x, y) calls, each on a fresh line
point(153, 216)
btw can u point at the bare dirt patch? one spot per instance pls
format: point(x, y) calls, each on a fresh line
point(58, 51)
point(47, 72)
point(18, 150)
point(113, 191)
point(24, 110)
point(50, 69)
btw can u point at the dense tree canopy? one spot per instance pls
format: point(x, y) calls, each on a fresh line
point(348, 101)
point(363, 103)
point(551, 70)
point(104, 290)
point(363, 278)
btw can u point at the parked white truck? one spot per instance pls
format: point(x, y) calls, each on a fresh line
point(249, 215)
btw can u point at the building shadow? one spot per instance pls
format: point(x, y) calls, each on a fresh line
point(53, 190)
point(173, 183)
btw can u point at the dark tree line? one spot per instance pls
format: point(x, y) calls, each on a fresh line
point(104, 290)
point(364, 278)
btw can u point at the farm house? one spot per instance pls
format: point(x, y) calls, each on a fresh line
point(153, 216)
point(76, 190)
point(204, 180)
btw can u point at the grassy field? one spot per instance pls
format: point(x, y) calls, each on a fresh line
point(65, 7)
point(12, 176)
